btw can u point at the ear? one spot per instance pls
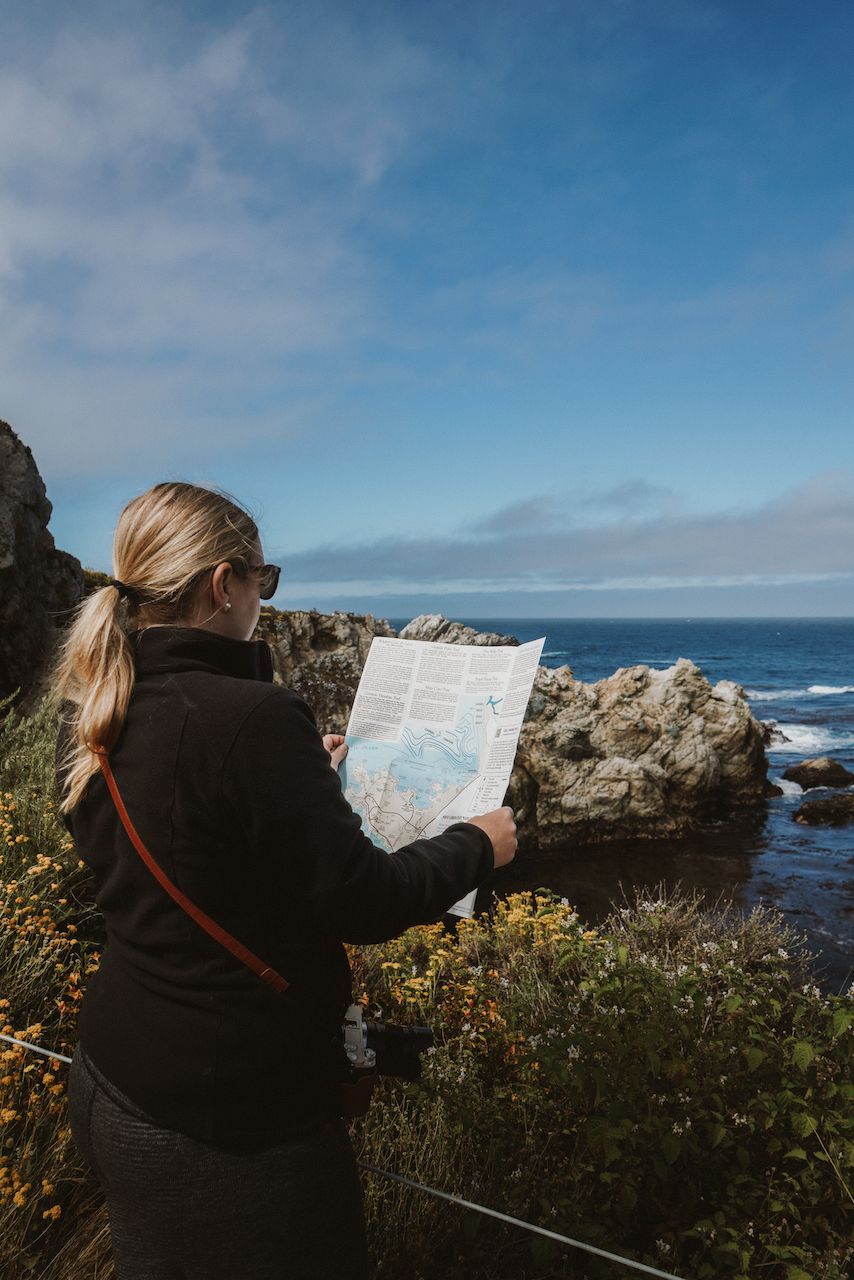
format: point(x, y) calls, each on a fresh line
point(221, 581)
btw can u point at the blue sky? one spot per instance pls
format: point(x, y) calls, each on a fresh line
point(488, 308)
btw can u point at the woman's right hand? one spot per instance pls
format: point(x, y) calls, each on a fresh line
point(501, 829)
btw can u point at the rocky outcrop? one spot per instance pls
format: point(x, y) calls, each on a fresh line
point(38, 584)
point(821, 772)
point(772, 735)
point(320, 656)
point(433, 626)
point(643, 753)
point(836, 811)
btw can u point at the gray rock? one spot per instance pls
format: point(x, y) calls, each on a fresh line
point(320, 656)
point(821, 772)
point(836, 811)
point(38, 584)
point(644, 753)
point(433, 626)
point(772, 736)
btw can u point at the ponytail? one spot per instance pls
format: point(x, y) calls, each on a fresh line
point(165, 540)
point(96, 672)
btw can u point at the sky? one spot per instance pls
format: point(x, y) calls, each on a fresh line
point(501, 309)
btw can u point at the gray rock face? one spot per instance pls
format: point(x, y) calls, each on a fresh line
point(821, 772)
point(38, 584)
point(643, 753)
point(433, 626)
point(320, 656)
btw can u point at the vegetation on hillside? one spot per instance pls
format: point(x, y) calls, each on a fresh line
point(671, 1086)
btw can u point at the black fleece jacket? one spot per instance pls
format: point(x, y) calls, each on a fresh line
point(226, 779)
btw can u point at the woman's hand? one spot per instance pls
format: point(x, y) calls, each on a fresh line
point(336, 746)
point(501, 829)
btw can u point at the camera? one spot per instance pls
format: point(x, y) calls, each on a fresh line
point(383, 1048)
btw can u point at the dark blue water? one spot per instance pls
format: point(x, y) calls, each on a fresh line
point(798, 672)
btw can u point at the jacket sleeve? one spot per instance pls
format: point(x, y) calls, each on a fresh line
point(278, 780)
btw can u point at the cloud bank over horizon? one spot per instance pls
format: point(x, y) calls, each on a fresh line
point(548, 544)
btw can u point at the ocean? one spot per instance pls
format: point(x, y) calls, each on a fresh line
point(798, 672)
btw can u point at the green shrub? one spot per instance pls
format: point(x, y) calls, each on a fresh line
point(50, 937)
point(93, 580)
point(671, 1086)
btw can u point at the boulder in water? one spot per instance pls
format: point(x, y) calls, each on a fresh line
point(644, 753)
point(821, 772)
point(836, 811)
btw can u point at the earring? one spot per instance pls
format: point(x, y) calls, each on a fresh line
point(228, 606)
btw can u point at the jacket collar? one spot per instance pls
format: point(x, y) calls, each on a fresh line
point(178, 649)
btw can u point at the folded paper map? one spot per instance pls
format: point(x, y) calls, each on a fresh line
point(432, 736)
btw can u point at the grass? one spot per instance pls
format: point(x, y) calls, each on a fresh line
point(671, 1086)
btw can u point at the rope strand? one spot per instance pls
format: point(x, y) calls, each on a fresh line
point(443, 1195)
point(517, 1222)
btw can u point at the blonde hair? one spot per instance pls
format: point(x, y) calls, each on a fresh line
point(165, 540)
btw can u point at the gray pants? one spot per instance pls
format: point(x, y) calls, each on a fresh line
point(181, 1210)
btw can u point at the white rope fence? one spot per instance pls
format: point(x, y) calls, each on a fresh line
point(441, 1195)
point(517, 1222)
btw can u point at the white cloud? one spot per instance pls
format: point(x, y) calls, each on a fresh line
point(805, 536)
point(165, 237)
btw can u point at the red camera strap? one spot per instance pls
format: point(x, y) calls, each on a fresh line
point(216, 931)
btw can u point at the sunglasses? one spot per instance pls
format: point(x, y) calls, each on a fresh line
point(268, 579)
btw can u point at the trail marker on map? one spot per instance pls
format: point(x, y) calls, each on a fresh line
point(432, 736)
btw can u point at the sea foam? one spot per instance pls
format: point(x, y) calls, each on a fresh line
point(814, 691)
point(812, 740)
point(762, 695)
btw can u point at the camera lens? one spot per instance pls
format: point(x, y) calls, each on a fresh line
point(398, 1049)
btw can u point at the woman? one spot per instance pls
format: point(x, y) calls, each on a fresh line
point(207, 1102)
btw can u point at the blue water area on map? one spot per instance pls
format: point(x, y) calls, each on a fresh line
point(424, 762)
point(798, 672)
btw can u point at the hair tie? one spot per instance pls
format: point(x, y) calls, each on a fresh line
point(124, 591)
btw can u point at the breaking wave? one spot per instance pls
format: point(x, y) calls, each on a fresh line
point(812, 740)
point(814, 691)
